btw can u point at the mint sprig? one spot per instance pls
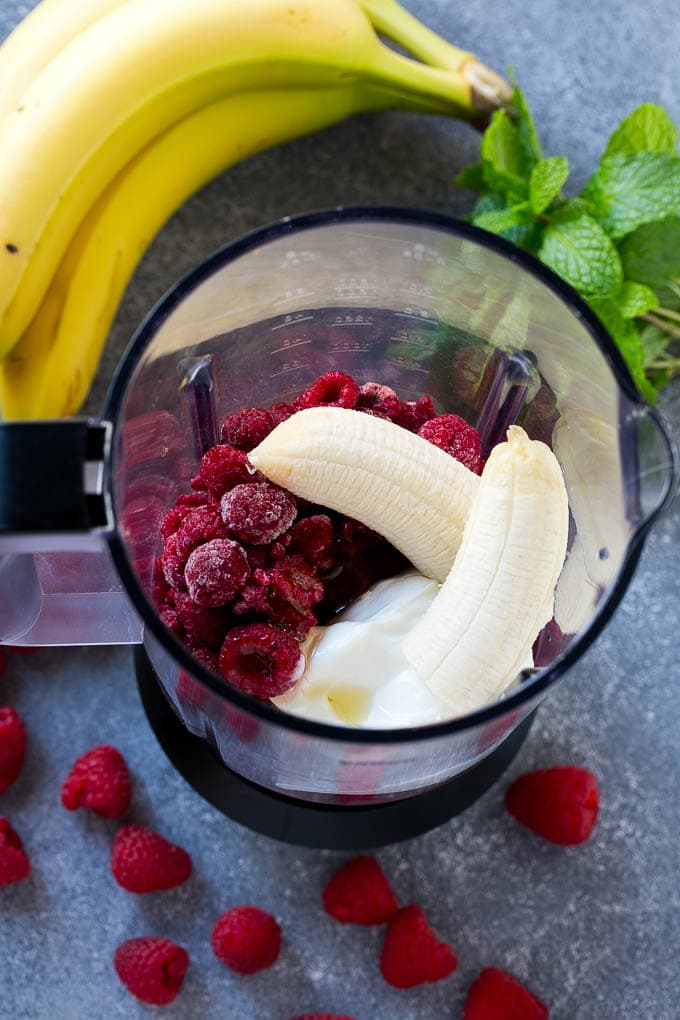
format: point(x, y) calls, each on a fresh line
point(617, 242)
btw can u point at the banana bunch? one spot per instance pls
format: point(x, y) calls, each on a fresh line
point(498, 543)
point(112, 112)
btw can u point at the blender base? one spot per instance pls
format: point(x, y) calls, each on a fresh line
point(301, 822)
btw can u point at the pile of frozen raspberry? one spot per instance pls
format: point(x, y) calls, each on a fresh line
point(247, 569)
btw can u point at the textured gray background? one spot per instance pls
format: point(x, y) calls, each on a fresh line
point(595, 930)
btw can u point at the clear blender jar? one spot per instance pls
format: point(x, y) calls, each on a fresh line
point(417, 301)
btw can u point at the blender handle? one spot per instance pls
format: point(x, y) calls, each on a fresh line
point(58, 583)
point(52, 481)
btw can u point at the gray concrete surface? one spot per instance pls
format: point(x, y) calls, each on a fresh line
point(595, 931)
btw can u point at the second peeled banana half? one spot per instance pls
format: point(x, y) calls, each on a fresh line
point(498, 544)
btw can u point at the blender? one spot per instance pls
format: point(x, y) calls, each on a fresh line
point(417, 301)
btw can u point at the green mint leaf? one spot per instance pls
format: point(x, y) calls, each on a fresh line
point(654, 342)
point(528, 236)
point(546, 181)
point(528, 136)
point(578, 249)
point(472, 177)
point(487, 203)
point(502, 158)
point(635, 299)
point(651, 254)
point(647, 129)
point(498, 220)
point(628, 340)
point(627, 191)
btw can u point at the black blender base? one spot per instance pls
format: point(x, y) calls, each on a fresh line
point(300, 822)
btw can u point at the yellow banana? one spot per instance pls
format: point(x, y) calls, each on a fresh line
point(398, 24)
point(48, 372)
point(142, 67)
point(38, 38)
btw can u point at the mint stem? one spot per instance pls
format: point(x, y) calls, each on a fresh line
point(673, 331)
point(667, 313)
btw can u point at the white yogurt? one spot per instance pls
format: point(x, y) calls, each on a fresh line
point(357, 673)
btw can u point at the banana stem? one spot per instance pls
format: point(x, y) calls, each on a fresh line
point(488, 90)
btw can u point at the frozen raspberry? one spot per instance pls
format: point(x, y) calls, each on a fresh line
point(152, 969)
point(412, 954)
point(313, 539)
point(254, 598)
point(297, 622)
point(258, 513)
point(246, 939)
point(144, 862)
point(216, 571)
point(497, 995)
point(246, 428)
point(280, 412)
point(422, 410)
point(453, 435)
point(14, 864)
point(560, 804)
point(170, 618)
point(203, 625)
point(200, 525)
point(12, 746)
point(262, 660)
point(371, 393)
point(99, 780)
point(332, 389)
point(223, 467)
point(359, 893)
point(295, 581)
point(193, 499)
point(176, 514)
point(172, 564)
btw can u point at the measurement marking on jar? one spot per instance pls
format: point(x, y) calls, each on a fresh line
point(292, 366)
point(408, 363)
point(292, 295)
point(422, 316)
point(290, 344)
point(414, 341)
point(349, 349)
point(292, 320)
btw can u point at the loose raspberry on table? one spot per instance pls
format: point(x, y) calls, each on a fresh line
point(246, 428)
point(359, 893)
point(14, 863)
point(151, 968)
point(142, 861)
point(223, 467)
point(204, 626)
point(99, 781)
point(12, 746)
point(453, 435)
point(323, 1016)
point(261, 660)
point(497, 995)
point(412, 954)
point(314, 540)
point(258, 513)
point(332, 389)
point(560, 804)
point(246, 939)
point(216, 571)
